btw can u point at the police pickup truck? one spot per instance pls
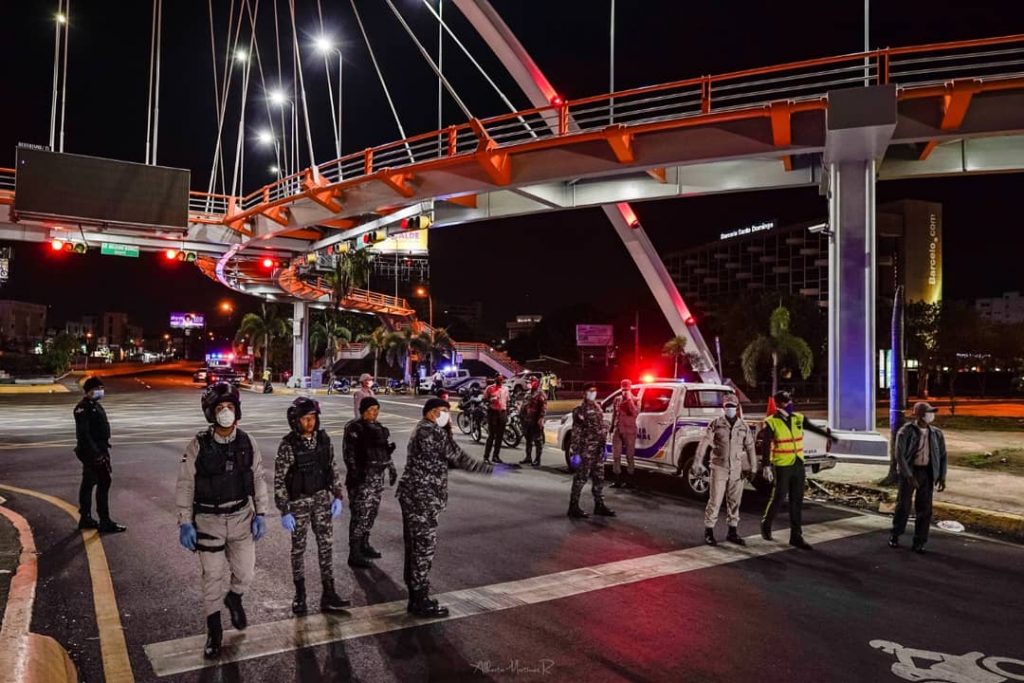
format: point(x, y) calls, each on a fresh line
point(672, 419)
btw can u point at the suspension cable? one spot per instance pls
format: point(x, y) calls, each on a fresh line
point(335, 118)
point(430, 60)
point(376, 66)
point(236, 175)
point(149, 96)
point(266, 101)
point(302, 87)
point(229, 69)
point(156, 84)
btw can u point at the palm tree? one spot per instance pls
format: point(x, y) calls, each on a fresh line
point(377, 341)
point(397, 347)
point(263, 327)
point(778, 345)
point(351, 270)
point(675, 348)
point(441, 346)
point(330, 334)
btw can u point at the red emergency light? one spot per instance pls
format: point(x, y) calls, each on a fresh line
point(691, 321)
point(628, 215)
point(647, 378)
point(268, 263)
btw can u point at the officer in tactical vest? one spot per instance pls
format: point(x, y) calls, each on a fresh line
point(423, 494)
point(782, 439)
point(308, 492)
point(367, 449)
point(587, 454)
point(92, 434)
point(221, 498)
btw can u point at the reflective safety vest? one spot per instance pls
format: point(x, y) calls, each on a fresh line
point(787, 442)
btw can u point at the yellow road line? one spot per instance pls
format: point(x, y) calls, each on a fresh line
point(261, 640)
point(117, 667)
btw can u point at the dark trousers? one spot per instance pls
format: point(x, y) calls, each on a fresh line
point(789, 481)
point(496, 421)
point(534, 435)
point(98, 477)
point(922, 498)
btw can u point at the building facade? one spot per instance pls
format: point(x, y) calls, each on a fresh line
point(1002, 310)
point(22, 321)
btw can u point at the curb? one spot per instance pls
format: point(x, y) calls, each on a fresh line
point(16, 389)
point(975, 519)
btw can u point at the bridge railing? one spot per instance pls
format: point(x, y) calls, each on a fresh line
point(750, 89)
point(6, 185)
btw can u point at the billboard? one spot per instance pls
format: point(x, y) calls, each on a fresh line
point(413, 243)
point(92, 189)
point(187, 321)
point(922, 249)
point(594, 335)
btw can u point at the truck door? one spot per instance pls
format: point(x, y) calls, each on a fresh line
point(654, 423)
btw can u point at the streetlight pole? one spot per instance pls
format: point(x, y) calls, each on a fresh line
point(64, 86)
point(59, 20)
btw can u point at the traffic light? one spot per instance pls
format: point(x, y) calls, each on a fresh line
point(268, 263)
point(188, 256)
point(420, 222)
point(58, 244)
point(346, 247)
point(375, 236)
point(311, 257)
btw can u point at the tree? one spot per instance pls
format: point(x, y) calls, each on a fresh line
point(433, 347)
point(921, 327)
point(780, 344)
point(675, 348)
point(377, 341)
point(397, 347)
point(330, 334)
point(57, 357)
point(263, 328)
point(351, 271)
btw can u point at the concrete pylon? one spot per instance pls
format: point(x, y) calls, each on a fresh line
point(300, 339)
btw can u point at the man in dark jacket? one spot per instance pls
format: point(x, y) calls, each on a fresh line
point(423, 494)
point(921, 463)
point(367, 449)
point(532, 412)
point(92, 433)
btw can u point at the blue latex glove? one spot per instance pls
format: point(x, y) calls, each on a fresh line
point(574, 462)
point(336, 507)
point(187, 536)
point(259, 527)
point(288, 522)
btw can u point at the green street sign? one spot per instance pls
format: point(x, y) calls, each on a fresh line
point(108, 249)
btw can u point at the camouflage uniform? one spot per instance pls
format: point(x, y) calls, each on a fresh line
point(532, 415)
point(314, 509)
point(423, 494)
point(588, 437)
point(366, 449)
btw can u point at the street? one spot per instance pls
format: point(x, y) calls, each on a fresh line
point(533, 595)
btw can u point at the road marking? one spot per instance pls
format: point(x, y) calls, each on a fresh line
point(113, 650)
point(261, 640)
point(20, 597)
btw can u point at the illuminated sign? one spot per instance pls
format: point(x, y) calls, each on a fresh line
point(412, 242)
point(922, 251)
point(595, 335)
point(187, 321)
point(748, 230)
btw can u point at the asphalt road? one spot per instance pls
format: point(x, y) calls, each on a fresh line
point(635, 598)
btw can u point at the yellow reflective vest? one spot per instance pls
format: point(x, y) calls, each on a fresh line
point(788, 440)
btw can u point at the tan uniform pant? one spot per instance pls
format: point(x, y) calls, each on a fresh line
point(623, 440)
point(723, 485)
point(227, 555)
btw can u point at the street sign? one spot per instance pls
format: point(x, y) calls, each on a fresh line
point(110, 249)
point(594, 335)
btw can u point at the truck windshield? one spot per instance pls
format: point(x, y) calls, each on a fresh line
point(705, 398)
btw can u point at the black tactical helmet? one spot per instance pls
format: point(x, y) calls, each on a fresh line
point(300, 407)
point(220, 392)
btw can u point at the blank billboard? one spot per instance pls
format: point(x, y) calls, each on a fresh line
point(95, 190)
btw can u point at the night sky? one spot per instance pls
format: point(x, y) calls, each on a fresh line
point(543, 262)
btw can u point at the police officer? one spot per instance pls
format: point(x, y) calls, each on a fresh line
point(367, 449)
point(221, 498)
point(308, 492)
point(423, 494)
point(783, 440)
point(92, 432)
point(365, 389)
point(496, 400)
point(531, 413)
point(624, 412)
point(733, 461)
point(587, 448)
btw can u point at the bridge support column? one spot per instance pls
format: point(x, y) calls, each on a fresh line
point(300, 339)
point(861, 122)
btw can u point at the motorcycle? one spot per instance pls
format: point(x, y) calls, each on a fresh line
point(340, 385)
point(396, 386)
point(471, 411)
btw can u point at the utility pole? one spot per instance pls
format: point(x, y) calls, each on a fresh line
point(636, 340)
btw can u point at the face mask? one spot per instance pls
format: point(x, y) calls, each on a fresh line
point(97, 394)
point(442, 419)
point(929, 418)
point(730, 412)
point(226, 418)
point(591, 395)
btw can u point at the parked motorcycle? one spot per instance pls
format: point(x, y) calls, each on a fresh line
point(340, 385)
point(396, 386)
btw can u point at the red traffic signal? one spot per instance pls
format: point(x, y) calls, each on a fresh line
point(171, 254)
point(267, 263)
point(420, 222)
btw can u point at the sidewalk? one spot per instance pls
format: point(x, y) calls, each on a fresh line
point(990, 502)
point(10, 550)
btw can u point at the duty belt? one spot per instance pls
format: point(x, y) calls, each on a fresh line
point(206, 509)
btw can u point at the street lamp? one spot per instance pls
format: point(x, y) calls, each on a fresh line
point(88, 336)
point(422, 292)
point(325, 46)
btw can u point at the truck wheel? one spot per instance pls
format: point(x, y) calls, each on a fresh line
point(696, 486)
point(565, 449)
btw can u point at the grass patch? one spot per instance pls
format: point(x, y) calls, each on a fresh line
point(971, 423)
point(1008, 460)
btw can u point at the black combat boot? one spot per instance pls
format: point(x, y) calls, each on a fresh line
point(233, 601)
point(709, 536)
point(576, 512)
point(894, 541)
point(214, 636)
point(766, 531)
point(330, 601)
point(799, 542)
point(109, 526)
point(421, 605)
point(356, 557)
point(368, 550)
point(602, 510)
point(299, 602)
point(734, 536)
point(87, 522)
point(620, 481)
